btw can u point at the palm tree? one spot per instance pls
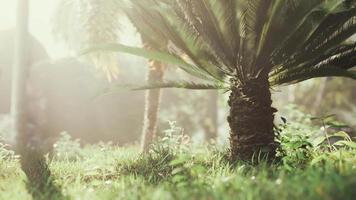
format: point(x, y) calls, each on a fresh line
point(152, 104)
point(86, 23)
point(100, 23)
point(250, 46)
point(155, 73)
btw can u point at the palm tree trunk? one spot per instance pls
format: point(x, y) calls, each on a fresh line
point(251, 120)
point(152, 104)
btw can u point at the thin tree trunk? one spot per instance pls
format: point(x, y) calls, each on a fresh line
point(211, 119)
point(19, 75)
point(33, 163)
point(251, 120)
point(152, 104)
point(319, 95)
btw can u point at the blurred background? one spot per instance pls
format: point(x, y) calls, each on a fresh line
point(71, 90)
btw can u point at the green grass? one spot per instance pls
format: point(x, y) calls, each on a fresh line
point(308, 168)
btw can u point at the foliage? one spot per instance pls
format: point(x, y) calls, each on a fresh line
point(175, 169)
point(289, 41)
point(86, 23)
point(310, 140)
point(6, 154)
point(66, 148)
point(7, 161)
point(157, 164)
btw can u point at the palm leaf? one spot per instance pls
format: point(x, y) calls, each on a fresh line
point(150, 54)
point(302, 75)
point(181, 85)
point(289, 40)
point(159, 85)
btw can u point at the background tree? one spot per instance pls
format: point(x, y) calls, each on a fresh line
point(100, 24)
point(211, 121)
point(155, 40)
point(155, 74)
point(251, 46)
point(19, 77)
point(24, 127)
point(85, 23)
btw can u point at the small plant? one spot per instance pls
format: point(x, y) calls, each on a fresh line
point(295, 151)
point(6, 154)
point(174, 140)
point(154, 166)
point(67, 149)
point(314, 141)
point(166, 158)
point(336, 149)
point(295, 146)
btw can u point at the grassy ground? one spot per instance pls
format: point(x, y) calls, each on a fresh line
point(309, 168)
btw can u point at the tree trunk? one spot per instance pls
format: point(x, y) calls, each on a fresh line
point(211, 120)
point(19, 76)
point(152, 104)
point(319, 95)
point(33, 163)
point(251, 120)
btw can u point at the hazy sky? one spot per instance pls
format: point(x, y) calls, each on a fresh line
point(40, 23)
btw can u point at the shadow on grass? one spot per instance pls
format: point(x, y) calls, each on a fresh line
point(39, 181)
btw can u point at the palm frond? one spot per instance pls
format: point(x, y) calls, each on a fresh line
point(86, 23)
point(182, 85)
point(186, 42)
point(254, 19)
point(151, 54)
point(302, 75)
point(297, 36)
point(289, 40)
point(160, 85)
